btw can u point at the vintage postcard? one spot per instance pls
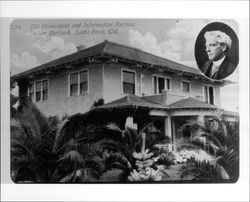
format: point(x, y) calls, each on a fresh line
point(119, 101)
point(124, 100)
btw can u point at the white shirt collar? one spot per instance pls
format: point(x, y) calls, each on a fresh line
point(218, 62)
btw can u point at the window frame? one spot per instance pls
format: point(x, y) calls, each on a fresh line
point(157, 83)
point(34, 92)
point(208, 94)
point(122, 79)
point(41, 90)
point(78, 82)
point(189, 83)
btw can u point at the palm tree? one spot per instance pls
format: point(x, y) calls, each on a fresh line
point(79, 152)
point(130, 141)
point(220, 139)
point(31, 146)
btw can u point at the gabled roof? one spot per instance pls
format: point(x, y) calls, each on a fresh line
point(191, 103)
point(131, 100)
point(108, 49)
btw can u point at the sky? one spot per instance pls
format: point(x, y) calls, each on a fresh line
point(35, 42)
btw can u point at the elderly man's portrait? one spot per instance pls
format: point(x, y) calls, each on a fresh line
point(216, 51)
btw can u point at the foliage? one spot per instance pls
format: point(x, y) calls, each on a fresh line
point(218, 138)
point(144, 163)
point(166, 157)
point(13, 101)
point(31, 146)
point(200, 170)
point(132, 148)
point(98, 103)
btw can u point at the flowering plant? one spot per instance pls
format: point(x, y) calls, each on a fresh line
point(144, 161)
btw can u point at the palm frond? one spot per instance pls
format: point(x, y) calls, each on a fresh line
point(200, 170)
point(19, 149)
point(117, 160)
point(114, 127)
point(73, 157)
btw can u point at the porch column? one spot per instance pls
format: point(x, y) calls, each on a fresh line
point(168, 127)
point(168, 130)
point(173, 135)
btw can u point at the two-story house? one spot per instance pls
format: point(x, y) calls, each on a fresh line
point(121, 75)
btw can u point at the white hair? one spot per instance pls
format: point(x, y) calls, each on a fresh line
point(221, 37)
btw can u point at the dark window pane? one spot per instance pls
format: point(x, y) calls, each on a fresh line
point(168, 84)
point(128, 88)
point(129, 77)
point(74, 78)
point(161, 84)
point(155, 85)
point(185, 86)
point(45, 94)
point(45, 85)
point(211, 95)
point(83, 87)
point(73, 84)
point(38, 91)
point(38, 96)
point(83, 76)
point(38, 86)
point(45, 90)
point(73, 89)
point(83, 82)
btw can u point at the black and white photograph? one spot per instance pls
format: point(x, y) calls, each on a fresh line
point(120, 101)
point(217, 44)
point(125, 100)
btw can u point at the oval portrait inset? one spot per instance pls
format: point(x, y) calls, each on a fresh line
point(217, 50)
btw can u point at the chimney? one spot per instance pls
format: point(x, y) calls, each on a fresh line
point(80, 47)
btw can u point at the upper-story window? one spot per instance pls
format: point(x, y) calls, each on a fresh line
point(128, 82)
point(78, 83)
point(208, 94)
point(160, 84)
point(38, 91)
point(185, 86)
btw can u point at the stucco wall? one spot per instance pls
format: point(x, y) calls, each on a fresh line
point(147, 83)
point(112, 77)
point(112, 88)
point(59, 103)
point(113, 85)
point(105, 81)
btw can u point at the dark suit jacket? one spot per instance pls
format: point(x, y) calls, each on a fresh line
point(226, 68)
